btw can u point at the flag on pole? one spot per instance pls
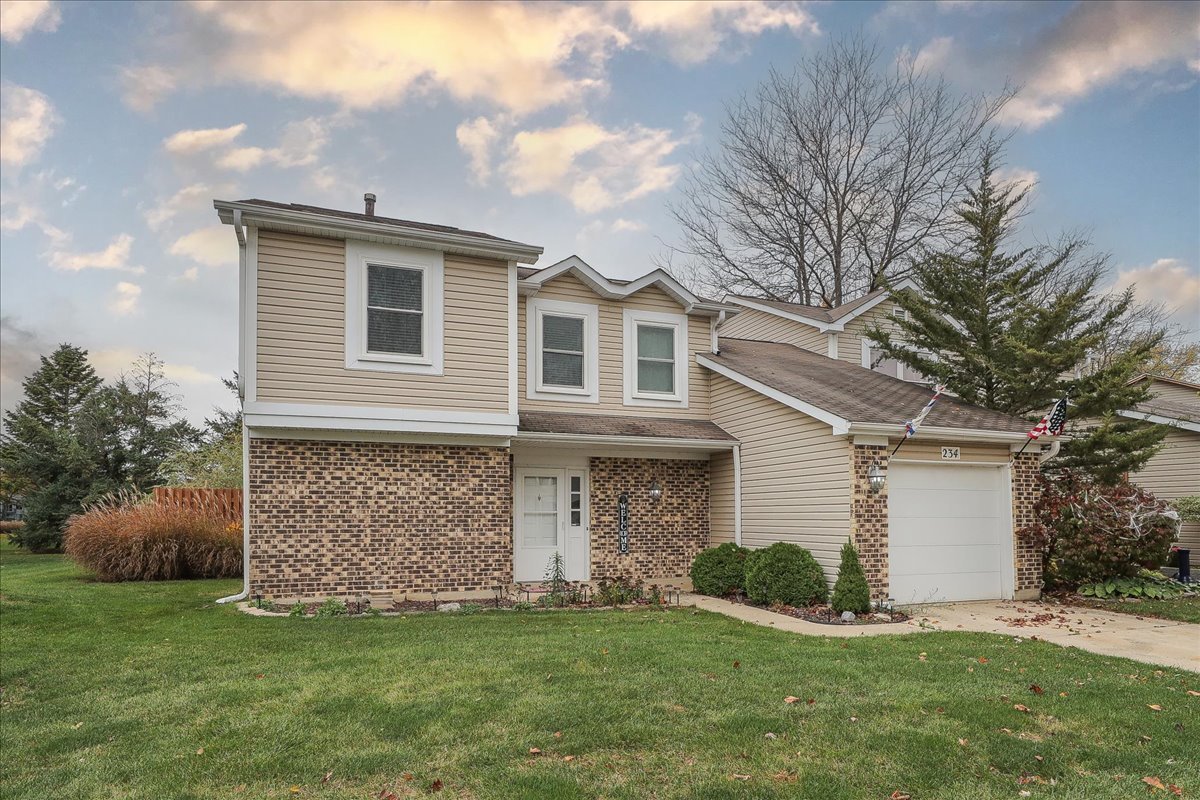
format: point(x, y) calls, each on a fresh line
point(910, 427)
point(1053, 422)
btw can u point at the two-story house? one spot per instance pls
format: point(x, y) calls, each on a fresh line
point(426, 410)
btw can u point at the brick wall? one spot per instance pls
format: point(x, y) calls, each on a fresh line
point(869, 517)
point(664, 536)
point(334, 518)
point(1027, 560)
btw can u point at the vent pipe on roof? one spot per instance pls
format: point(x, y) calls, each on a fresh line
point(369, 198)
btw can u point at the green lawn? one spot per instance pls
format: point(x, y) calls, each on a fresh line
point(1183, 609)
point(152, 691)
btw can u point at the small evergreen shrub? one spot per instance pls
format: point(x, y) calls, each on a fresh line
point(720, 570)
point(785, 573)
point(126, 539)
point(850, 592)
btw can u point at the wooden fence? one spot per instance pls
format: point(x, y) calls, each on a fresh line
point(226, 502)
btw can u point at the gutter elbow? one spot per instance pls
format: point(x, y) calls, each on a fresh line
point(1055, 446)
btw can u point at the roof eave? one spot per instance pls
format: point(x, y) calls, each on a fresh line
point(1161, 419)
point(466, 244)
point(631, 441)
point(896, 430)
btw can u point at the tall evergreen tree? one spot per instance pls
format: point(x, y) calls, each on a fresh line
point(1006, 327)
point(40, 448)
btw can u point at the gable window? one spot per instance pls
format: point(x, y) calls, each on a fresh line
point(562, 362)
point(394, 308)
point(655, 358)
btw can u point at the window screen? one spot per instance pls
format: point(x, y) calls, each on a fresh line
point(395, 312)
point(656, 359)
point(562, 351)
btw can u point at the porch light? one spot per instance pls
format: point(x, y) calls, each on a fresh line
point(876, 477)
point(655, 491)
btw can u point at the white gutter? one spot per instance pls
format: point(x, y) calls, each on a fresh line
point(896, 430)
point(1158, 419)
point(240, 232)
point(634, 441)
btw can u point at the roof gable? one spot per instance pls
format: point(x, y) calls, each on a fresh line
point(616, 289)
point(823, 319)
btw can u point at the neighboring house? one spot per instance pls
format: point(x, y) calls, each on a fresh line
point(425, 411)
point(1174, 471)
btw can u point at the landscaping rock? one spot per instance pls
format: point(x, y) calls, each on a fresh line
point(848, 616)
point(449, 607)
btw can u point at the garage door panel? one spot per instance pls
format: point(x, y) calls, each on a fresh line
point(909, 561)
point(946, 587)
point(934, 503)
point(919, 476)
point(946, 532)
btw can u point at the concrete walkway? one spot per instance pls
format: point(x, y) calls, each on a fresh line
point(1152, 641)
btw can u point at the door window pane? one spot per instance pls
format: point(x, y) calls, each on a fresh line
point(540, 523)
point(562, 351)
point(576, 501)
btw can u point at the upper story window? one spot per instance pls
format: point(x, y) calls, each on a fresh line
point(394, 308)
point(874, 359)
point(656, 360)
point(563, 351)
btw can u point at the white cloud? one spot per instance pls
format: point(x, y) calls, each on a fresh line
point(213, 246)
point(692, 31)
point(191, 142)
point(621, 225)
point(1169, 281)
point(476, 138)
point(934, 55)
point(19, 17)
point(1019, 178)
point(112, 363)
point(114, 257)
point(124, 298)
point(190, 274)
point(194, 197)
point(594, 167)
point(27, 121)
point(515, 57)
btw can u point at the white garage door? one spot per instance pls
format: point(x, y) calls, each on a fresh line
point(948, 536)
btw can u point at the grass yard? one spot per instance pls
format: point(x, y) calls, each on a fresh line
point(1182, 609)
point(151, 691)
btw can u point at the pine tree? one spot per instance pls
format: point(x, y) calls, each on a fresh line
point(1009, 327)
point(40, 449)
point(850, 591)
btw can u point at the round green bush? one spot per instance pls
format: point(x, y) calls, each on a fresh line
point(850, 591)
point(785, 573)
point(720, 570)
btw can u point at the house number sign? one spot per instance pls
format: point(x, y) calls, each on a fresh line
point(951, 454)
point(623, 523)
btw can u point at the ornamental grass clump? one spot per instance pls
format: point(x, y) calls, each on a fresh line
point(785, 573)
point(850, 592)
point(720, 571)
point(125, 538)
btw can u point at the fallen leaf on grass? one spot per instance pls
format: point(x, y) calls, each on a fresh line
point(738, 777)
point(1193, 693)
point(77, 726)
point(1154, 782)
point(1033, 687)
point(388, 794)
point(328, 776)
point(200, 751)
point(737, 664)
point(982, 660)
point(535, 751)
point(558, 734)
point(922, 656)
point(783, 776)
point(770, 735)
point(294, 790)
point(436, 786)
point(408, 776)
point(899, 795)
point(568, 759)
point(604, 651)
point(1154, 707)
point(790, 699)
point(1022, 708)
point(811, 701)
point(1026, 778)
point(1039, 758)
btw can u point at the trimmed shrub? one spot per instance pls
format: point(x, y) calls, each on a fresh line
point(850, 592)
point(785, 573)
point(137, 541)
point(720, 570)
point(1091, 532)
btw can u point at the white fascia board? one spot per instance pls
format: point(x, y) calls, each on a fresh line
point(931, 432)
point(1183, 424)
point(840, 426)
point(333, 435)
point(823, 327)
point(389, 419)
point(414, 237)
point(624, 441)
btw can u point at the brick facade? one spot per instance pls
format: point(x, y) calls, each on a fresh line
point(1027, 560)
point(869, 517)
point(338, 518)
point(869, 521)
point(664, 535)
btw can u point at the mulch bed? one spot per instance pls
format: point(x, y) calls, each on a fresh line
point(824, 615)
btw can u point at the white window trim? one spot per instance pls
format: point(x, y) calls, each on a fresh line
point(431, 264)
point(679, 323)
point(535, 308)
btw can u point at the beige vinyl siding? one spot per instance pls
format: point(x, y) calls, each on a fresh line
point(1175, 394)
point(721, 499)
point(918, 449)
point(612, 369)
point(795, 475)
point(301, 333)
point(750, 323)
point(1174, 472)
point(850, 341)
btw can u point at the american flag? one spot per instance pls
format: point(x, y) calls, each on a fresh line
point(1054, 421)
point(910, 427)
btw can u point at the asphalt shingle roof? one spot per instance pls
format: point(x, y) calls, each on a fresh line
point(613, 425)
point(851, 392)
point(1171, 409)
point(819, 313)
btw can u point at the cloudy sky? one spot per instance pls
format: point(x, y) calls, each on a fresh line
point(564, 125)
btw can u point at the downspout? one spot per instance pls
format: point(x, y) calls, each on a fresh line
point(737, 494)
point(1055, 446)
point(712, 330)
point(240, 232)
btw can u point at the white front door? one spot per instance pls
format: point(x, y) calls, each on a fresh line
point(550, 516)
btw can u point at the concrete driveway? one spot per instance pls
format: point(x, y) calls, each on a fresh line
point(1153, 641)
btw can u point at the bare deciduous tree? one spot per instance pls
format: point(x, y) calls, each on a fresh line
point(827, 179)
